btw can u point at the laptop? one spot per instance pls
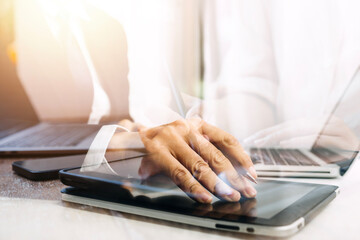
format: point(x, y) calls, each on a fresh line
point(319, 162)
point(21, 132)
point(280, 208)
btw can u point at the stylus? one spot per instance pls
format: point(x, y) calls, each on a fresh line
point(251, 178)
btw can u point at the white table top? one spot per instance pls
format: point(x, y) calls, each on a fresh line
point(45, 219)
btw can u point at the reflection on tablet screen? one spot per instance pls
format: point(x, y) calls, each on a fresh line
point(272, 197)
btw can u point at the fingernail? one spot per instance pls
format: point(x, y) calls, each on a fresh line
point(252, 171)
point(226, 192)
point(250, 192)
point(205, 198)
point(232, 197)
point(223, 189)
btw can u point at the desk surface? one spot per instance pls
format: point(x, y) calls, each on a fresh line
point(33, 210)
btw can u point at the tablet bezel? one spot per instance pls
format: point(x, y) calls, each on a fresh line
point(96, 182)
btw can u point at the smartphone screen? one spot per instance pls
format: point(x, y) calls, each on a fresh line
point(48, 168)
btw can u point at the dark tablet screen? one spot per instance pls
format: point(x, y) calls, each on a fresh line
point(273, 201)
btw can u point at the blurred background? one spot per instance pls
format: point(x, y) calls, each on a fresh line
point(245, 66)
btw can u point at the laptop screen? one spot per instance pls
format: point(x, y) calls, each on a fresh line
point(342, 123)
point(16, 111)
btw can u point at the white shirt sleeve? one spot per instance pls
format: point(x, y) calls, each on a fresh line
point(240, 72)
point(161, 38)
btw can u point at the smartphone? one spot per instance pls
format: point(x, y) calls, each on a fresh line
point(48, 168)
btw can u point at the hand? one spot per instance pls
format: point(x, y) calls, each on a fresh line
point(303, 133)
point(130, 125)
point(194, 154)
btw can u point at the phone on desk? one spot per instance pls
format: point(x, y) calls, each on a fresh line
point(48, 168)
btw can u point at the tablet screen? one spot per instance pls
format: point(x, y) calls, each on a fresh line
point(272, 198)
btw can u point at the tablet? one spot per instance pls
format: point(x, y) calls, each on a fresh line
point(280, 208)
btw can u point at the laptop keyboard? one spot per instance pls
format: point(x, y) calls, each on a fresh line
point(272, 156)
point(54, 136)
point(8, 127)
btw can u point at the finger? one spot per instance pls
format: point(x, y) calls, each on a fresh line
point(293, 128)
point(308, 141)
point(263, 133)
point(136, 127)
point(171, 167)
point(338, 128)
point(203, 173)
point(148, 168)
point(130, 125)
point(332, 142)
point(273, 139)
point(299, 142)
point(184, 180)
point(126, 123)
point(298, 129)
point(221, 165)
point(229, 145)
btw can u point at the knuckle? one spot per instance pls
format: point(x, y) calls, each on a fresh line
point(230, 141)
point(149, 133)
point(235, 179)
point(183, 126)
point(189, 185)
point(218, 158)
point(199, 169)
point(168, 131)
point(203, 144)
point(197, 123)
point(166, 134)
point(193, 187)
point(152, 146)
point(199, 146)
point(179, 175)
point(180, 122)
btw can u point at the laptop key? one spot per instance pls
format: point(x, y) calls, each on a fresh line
point(286, 156)
point(54, 136)
point(266, 157)
point(255, 156)
point(277, 158)
point(303, 159)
